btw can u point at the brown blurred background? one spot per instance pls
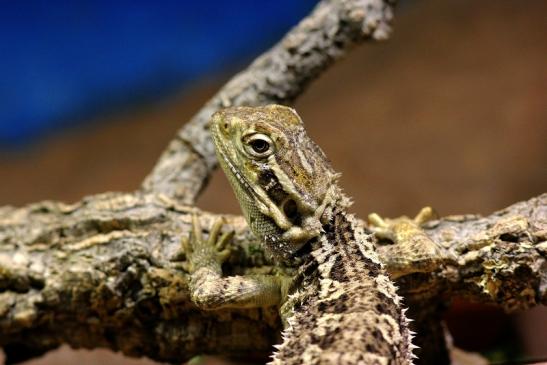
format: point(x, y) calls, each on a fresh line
point(451, 112)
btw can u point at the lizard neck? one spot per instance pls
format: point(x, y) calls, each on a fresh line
point(344, 241)
point(329, 214)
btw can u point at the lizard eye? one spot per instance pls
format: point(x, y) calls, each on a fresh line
point(259, 145)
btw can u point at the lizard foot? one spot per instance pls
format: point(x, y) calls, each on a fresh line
point(201, 253)
point(412, 250)
point(209, 290)
point(390, 228)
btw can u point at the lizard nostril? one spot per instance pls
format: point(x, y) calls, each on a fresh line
point(224, 127)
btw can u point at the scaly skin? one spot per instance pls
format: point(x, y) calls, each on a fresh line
point(340, 307)
point(412, 249)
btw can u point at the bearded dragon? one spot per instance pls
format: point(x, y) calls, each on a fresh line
point(340, 307)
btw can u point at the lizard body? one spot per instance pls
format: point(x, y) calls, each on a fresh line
point(346, 310)
point(340, 307)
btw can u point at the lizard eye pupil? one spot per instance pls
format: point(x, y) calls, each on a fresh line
point(260, 145)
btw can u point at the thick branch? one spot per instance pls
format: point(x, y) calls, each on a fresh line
point(278, 76)
point(100, 274)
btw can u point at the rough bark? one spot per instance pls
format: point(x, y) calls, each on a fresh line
point(278, 76)
point(107, 272)
point(100, 274)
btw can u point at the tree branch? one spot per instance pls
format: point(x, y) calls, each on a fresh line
point(100, 273)
point(278, 76)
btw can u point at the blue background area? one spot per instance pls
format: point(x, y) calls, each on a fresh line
point(61, 61)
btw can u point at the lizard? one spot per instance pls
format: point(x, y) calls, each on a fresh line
point(340, 307)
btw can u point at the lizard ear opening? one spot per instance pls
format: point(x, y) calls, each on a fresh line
point(290, 209)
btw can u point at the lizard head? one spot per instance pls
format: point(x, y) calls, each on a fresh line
point(281, 178)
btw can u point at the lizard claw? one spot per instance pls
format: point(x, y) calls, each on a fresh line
point(223, 240)
point(380, 226)
point(185, 244)
point(206, 253)
point(425, 215)
point(374, 219)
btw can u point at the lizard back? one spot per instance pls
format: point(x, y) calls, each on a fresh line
point(345, 309)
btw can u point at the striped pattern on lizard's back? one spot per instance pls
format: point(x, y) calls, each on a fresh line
point(345, 310)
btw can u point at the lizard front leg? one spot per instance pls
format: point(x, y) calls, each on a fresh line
point(412, 249)
point(209, 290)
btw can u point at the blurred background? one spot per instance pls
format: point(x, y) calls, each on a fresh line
point(450, 112)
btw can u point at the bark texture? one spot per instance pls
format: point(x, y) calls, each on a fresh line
point(107, 272)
